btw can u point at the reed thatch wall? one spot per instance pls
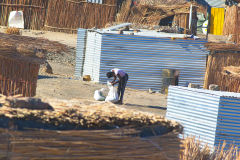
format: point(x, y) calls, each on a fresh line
point(18, 73)
point(215, 70)
point(34, 12)
point(231, 25)
point(68, 15)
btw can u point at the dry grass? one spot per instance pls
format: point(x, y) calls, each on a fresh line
point(13, 31)
point(194, 151)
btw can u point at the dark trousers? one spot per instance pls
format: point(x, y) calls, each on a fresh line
point(121, 86)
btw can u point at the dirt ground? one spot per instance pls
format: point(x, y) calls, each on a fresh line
point(62, 85)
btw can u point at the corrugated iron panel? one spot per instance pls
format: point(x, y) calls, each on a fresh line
point(80, 52)
point(144, 58)
point(217, 21)
point(196, 110)
point(213, 3)
point(95, 1)
point(92, 55)
point(211, 116)
point(228, 128)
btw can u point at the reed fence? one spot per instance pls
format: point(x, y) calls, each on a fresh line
point(68, 15)
point(215, 71)
point(34, 12)
point(18, 75)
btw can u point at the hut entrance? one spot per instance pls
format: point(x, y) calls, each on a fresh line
point(168, 21)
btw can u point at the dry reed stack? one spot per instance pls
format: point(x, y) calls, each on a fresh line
point(232, 23)
point(18, 72)
point(68, 15)
point(30, 44)
point(34, 12)
point(222, 55)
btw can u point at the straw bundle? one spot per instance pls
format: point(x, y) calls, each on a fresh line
point(34, 12)
point(67, 16)
point(13, 31)
point(193, 150)
point(215, 67)
point(232, 23)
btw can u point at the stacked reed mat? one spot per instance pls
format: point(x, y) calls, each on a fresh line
point(67, 16)
point(18, 73)
point(232, 23)
point(34, 12)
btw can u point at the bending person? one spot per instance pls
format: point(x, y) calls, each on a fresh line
point(122, 81)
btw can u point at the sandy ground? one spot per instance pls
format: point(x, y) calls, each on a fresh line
point(62, 84)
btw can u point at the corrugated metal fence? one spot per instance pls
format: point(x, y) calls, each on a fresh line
point(144, 58)
point(211, 116)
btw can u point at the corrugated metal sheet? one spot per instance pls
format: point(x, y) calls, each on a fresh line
point(80, 52)
point(92, 55)
point(211, 116)
point(217, 21)
point(95, 1)
point(213, 3)
point(143, 58)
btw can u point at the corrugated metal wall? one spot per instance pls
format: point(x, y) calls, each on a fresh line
point(80, 52)
point(217, 21)
point(211, 116)
point(212, 3)
point(95, 1)
point(143, 58)
point(92, 55)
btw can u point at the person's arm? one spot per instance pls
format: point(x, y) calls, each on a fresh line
point(115, 77)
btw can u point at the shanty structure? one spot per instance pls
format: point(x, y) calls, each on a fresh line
point(181, 14)
point(213, 117)
point(219, 66)
point(143, 55)
point(18, 71)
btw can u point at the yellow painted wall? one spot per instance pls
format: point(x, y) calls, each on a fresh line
point(216, 21)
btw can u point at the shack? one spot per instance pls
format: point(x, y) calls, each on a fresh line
point(143, 55)
point(18, 71)
point(219, 66)
point(179, 15)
